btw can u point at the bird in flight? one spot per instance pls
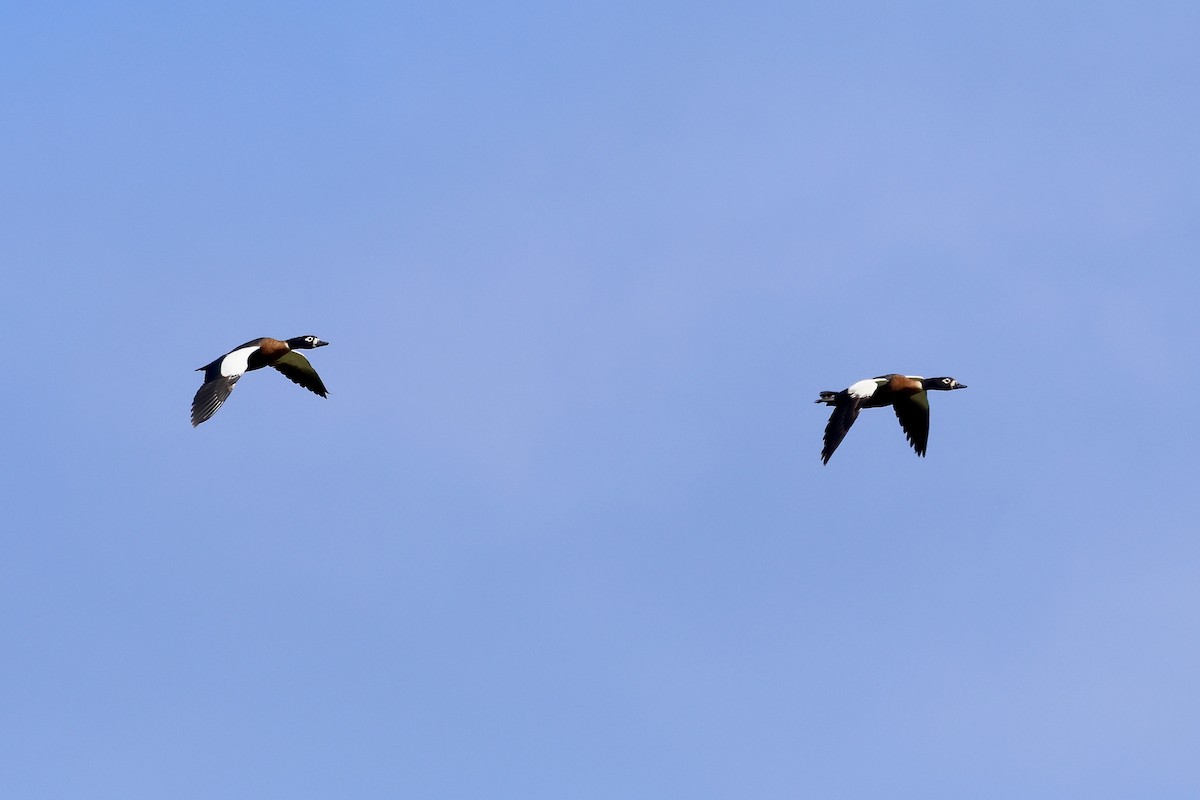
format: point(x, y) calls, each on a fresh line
point(221, 375)
point(906, 394)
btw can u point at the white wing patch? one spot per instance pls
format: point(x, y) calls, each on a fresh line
point(863, 389)
point(237, 362)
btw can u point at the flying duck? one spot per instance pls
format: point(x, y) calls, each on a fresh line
point(906, 394)
point(222, 374)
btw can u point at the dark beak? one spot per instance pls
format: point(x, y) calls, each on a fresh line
point(961, 386)
point(320, 344)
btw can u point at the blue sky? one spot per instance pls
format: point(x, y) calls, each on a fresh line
point(561, 528)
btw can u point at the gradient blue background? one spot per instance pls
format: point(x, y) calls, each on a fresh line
point(561, 529)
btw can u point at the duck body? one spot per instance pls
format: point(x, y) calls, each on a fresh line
point(906, 394)
point(221, 375)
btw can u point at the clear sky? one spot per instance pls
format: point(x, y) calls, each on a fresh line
point(561, 529)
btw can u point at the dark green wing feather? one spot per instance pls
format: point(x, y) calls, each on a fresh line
point(296, 369)
point(913, 413)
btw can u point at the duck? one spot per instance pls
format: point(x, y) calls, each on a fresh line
point(906, 394)
point(221, 375)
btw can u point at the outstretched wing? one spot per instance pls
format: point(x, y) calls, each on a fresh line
point(913, 413)
point(845, 411)
point(210, 396)
point(296, 369)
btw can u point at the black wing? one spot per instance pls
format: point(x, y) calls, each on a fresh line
point(296, 369)
point(845, 411)
point(209, 398)
point(913, 413)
